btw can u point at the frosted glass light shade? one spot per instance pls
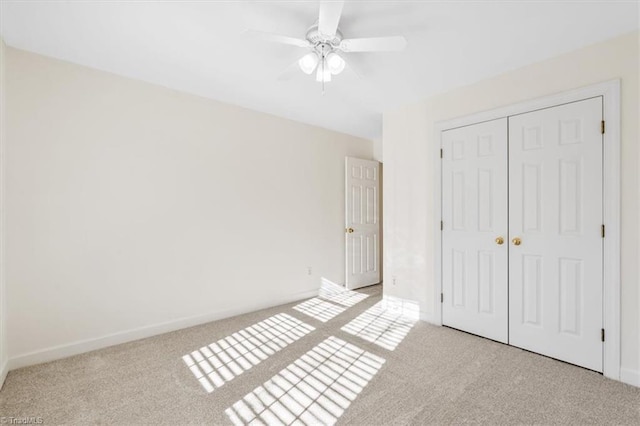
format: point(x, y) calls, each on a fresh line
point(336, 63)
point(323, 73)
point(308, 62)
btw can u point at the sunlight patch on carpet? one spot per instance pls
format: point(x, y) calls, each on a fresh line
point(315, 389)
point(222, 361)
point(338, 294)
point(380, 325)
point(319, 309)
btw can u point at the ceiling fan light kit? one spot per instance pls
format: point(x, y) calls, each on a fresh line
point(328, 62)
point(325, 41)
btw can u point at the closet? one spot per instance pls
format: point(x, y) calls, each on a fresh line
point(522, 230)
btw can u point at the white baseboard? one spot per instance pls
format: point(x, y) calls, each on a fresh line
point(4, 370)
point(630, 377)
point(430, 318)
point(82, 346)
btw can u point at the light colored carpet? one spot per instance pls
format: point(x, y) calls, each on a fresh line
point(434, 375)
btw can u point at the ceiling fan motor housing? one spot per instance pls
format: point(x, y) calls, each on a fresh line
point(316, 38)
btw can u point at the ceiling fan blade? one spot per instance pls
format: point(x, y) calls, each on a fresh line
point(330, 12)
point(373, 44)
point(278, 38)
point(293, 70)
point(290, 72)
point(353, 69)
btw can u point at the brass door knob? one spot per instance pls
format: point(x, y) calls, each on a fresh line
point(516, 241)
point(350, 230)
point(499, 241)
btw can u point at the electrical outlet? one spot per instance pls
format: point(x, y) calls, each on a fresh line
point(393, 280)
point(309, 270)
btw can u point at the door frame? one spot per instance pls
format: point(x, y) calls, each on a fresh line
point(610, 92)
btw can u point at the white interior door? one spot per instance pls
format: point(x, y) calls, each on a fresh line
point(474, 235)
point(362, 227)
point(555, 205)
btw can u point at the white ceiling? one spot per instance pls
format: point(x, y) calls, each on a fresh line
point(200, 48)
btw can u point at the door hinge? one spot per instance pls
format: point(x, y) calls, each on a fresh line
point(602, 334)
point(441, 297)
point(441, 225)
point(602, 231)
point(441, 153)
point(602, 127)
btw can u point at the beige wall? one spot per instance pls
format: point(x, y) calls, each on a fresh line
point(130, 206)
point(3, 300)
point(408, 137)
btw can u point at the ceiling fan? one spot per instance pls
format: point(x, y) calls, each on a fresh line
point(326, 43)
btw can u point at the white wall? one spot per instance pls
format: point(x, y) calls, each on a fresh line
point(4, 354)
point(408, 138)
point(130, 205)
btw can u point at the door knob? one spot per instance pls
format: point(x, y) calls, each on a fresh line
point(350, 230)
point(516, 241)
point(499, 241)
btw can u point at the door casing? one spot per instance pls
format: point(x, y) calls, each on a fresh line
point(610, 92)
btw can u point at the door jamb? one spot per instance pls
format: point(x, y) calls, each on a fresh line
point(610, 92)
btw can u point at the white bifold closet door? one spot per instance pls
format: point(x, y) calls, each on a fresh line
point(474, 213)
point(522, 247)
point(555, 210)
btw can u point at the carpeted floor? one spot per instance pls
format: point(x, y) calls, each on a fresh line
point(299, 368)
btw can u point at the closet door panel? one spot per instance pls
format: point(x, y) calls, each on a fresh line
point(474, 212)
point(555, 210)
